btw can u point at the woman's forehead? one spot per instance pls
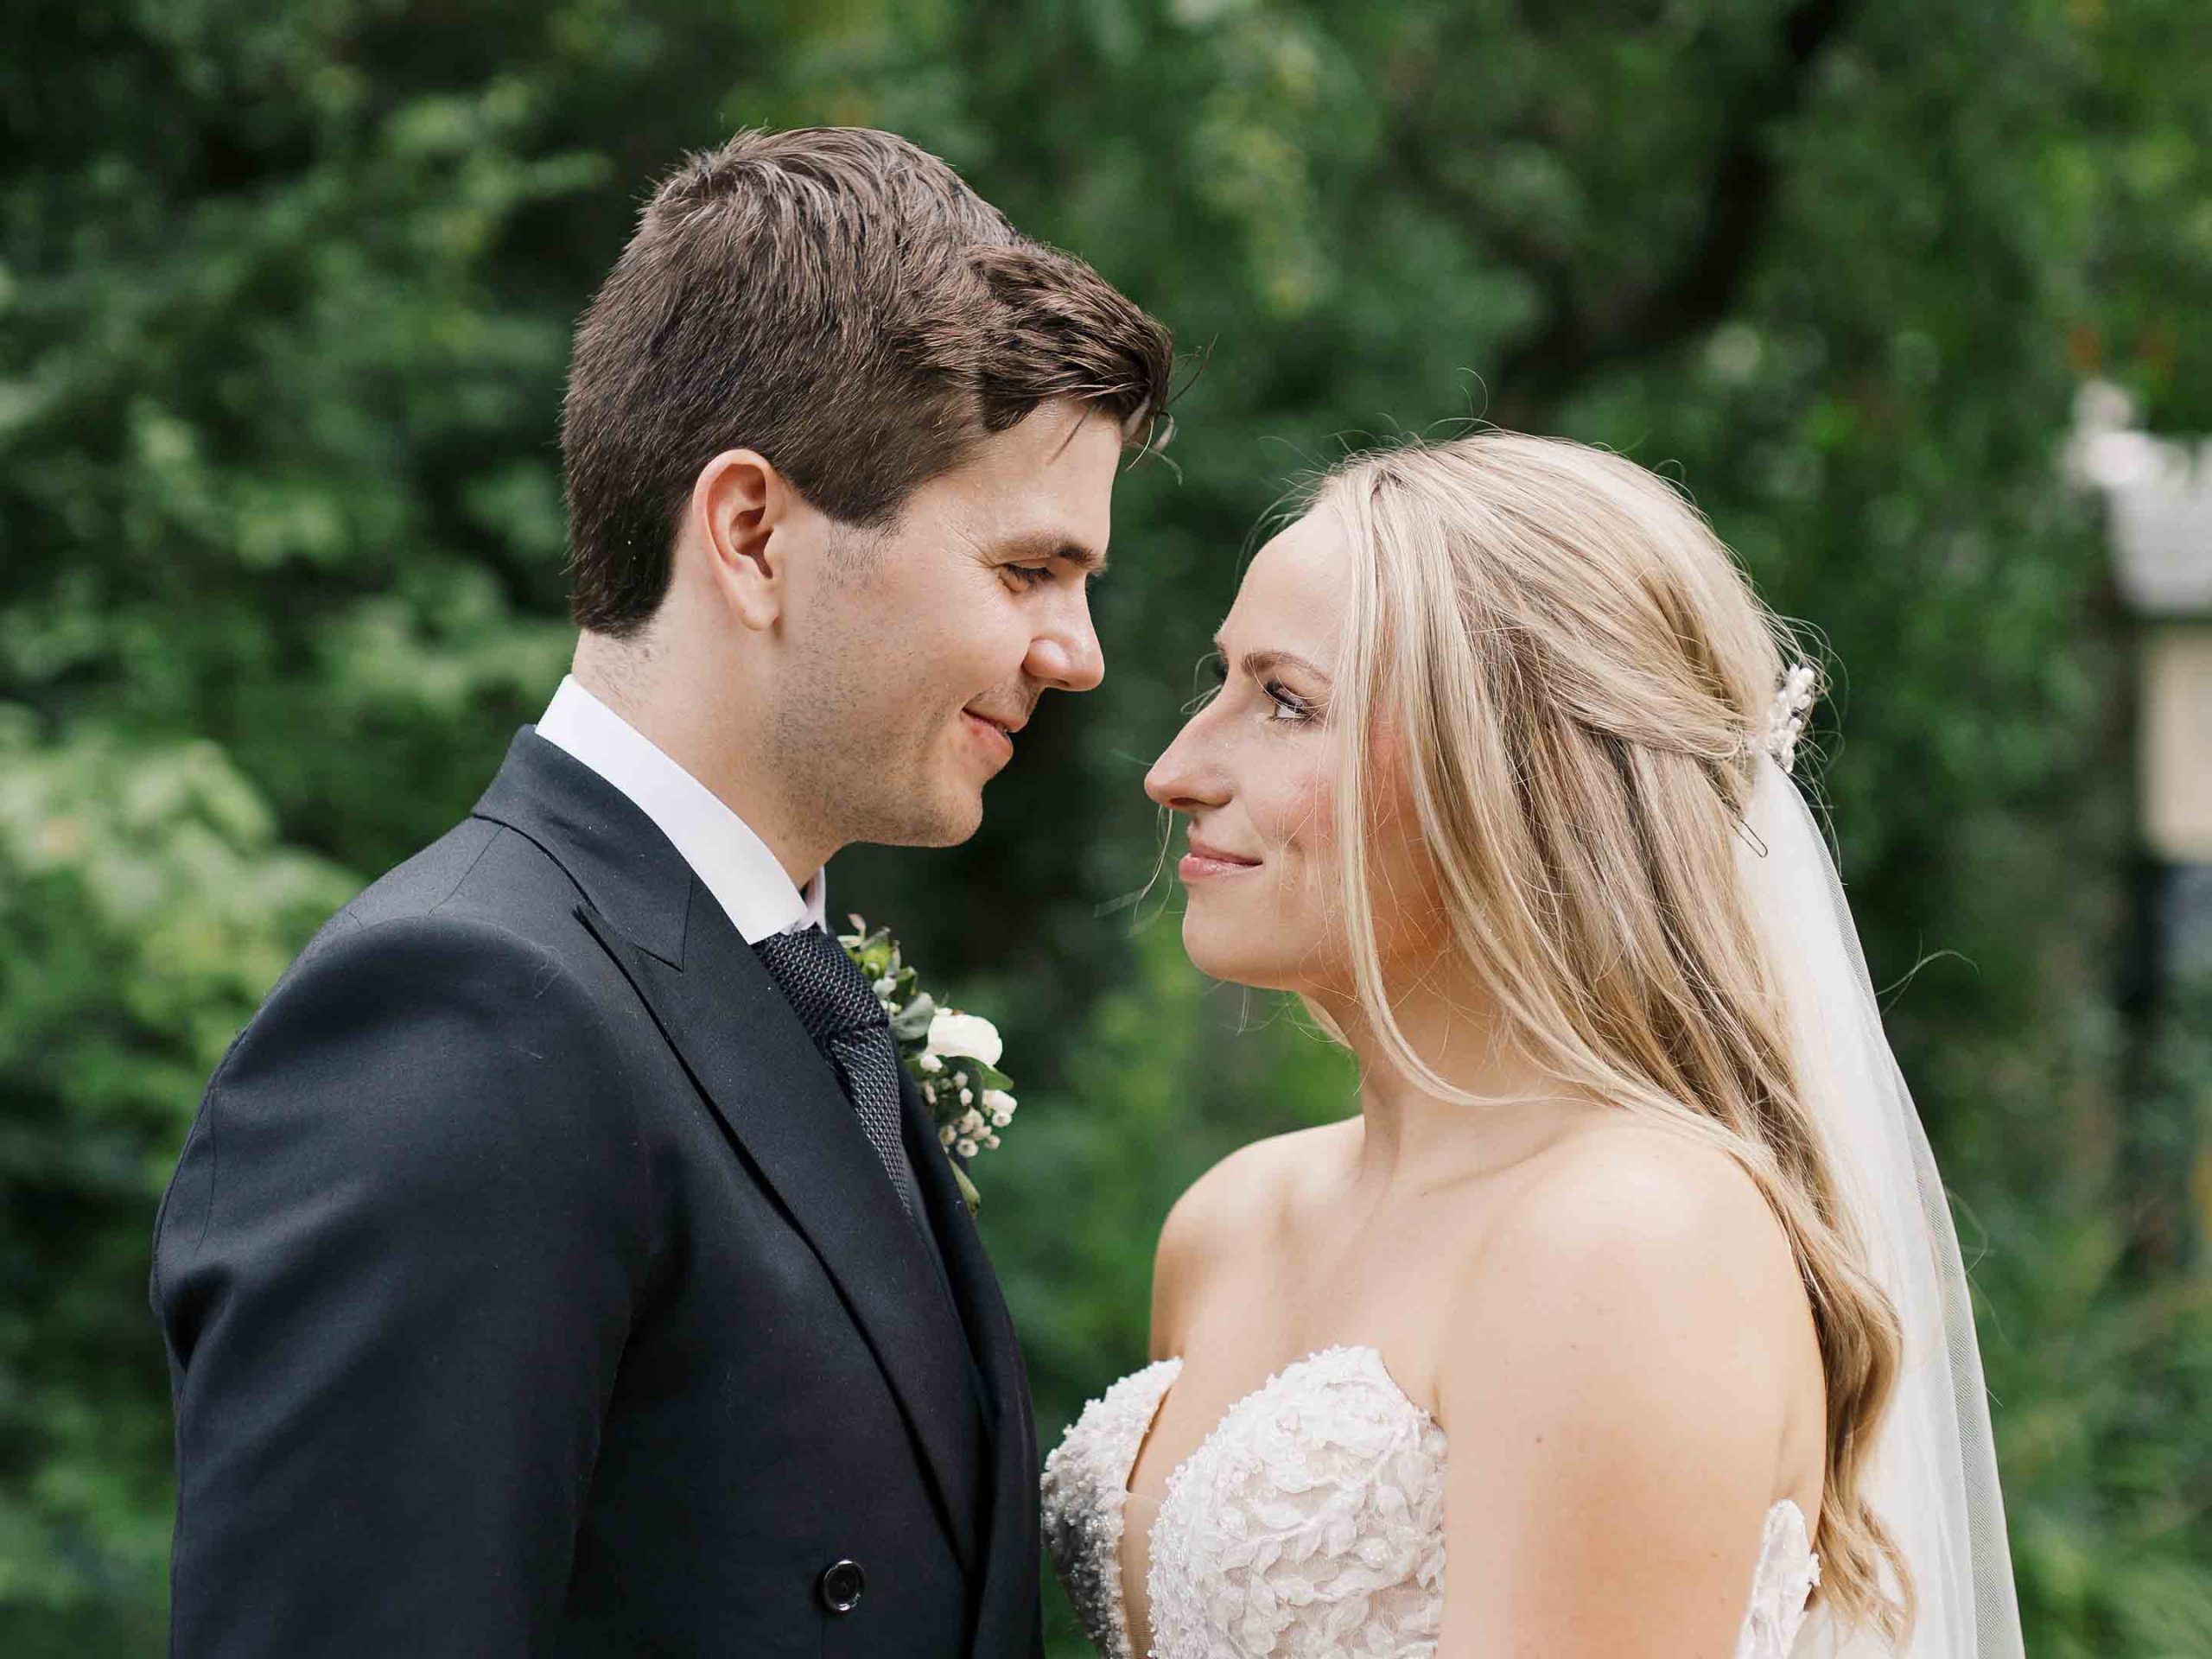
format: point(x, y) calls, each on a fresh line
point(1293, 596)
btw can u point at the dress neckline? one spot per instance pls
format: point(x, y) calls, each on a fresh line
point(1171, 1369)
point(1086, 1482)
point(1163, 1374)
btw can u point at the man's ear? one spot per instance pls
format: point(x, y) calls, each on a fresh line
point(738, 503)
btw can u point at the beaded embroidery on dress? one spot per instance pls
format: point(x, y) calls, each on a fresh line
point(1310, 1523)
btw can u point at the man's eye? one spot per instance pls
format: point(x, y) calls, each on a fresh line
point(1030, 575)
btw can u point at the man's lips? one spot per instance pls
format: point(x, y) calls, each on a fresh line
point(996, 732)
point(1204, 861)
point(1007, 724)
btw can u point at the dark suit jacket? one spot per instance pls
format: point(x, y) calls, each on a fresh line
point(530, 1288)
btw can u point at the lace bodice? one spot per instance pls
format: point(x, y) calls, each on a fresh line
point(1310, 1523)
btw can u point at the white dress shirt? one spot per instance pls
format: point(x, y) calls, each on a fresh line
point(752, 888)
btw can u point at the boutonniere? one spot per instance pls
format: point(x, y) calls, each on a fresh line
point(953, 1057)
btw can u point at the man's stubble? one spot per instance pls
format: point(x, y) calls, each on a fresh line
point(861, 752)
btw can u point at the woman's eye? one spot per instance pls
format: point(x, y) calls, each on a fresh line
point(1213, 675)
point(1288, 705)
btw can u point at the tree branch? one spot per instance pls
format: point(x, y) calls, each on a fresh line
point(1707, 282)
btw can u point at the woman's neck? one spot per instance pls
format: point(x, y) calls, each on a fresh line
point(1412, 1133)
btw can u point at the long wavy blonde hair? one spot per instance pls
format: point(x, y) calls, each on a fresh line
point(1573, 663)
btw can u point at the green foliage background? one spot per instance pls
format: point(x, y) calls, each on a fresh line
point(285, 292)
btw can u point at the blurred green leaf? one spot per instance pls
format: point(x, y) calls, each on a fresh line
point(285, 295)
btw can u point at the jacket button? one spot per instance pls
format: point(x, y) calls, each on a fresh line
point(841, 1587)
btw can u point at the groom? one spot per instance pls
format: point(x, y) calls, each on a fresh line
point(561, 1263)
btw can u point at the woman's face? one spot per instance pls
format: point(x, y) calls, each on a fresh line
point(1256, 771)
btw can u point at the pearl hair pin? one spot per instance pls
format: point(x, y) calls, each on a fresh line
point(1786, 716)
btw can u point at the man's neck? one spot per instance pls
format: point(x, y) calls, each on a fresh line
point(725, 761)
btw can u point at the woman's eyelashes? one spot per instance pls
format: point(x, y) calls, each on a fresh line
point(1212, 674)
point(1286, 706)
point(1290, 708)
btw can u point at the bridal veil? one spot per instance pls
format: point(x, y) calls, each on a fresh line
point(1932, 1478)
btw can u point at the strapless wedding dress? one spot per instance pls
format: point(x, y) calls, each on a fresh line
point(1310, 1523)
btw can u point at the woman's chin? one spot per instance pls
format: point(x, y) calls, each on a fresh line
point(1219, 952)
point(1210, 953)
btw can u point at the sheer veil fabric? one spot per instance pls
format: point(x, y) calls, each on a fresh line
point(1932, 1478)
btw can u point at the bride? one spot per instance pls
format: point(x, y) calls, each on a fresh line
point(1626, 1317)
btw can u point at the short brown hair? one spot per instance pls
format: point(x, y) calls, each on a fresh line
point(840, 300)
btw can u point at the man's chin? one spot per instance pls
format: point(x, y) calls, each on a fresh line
point(946, 820)
point(961, 817)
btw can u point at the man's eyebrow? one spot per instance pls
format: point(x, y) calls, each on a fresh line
point(1089, 560)
point(1257, 663)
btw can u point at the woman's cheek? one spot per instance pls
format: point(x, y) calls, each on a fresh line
point(1309, 812)
point(1311, 860)
point(1409, 896)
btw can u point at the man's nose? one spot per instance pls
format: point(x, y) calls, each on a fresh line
point(1067, 653)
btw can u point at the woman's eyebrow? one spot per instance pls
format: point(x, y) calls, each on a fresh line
point(1257, 663)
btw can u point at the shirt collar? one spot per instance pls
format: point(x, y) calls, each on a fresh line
point(723, 852)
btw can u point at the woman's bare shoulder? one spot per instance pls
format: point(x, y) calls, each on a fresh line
point(1241, 1203)
point(1626, 1378)
point(1628, 1196)
point(1629, 1240)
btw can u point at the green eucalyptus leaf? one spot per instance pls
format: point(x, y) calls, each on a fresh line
point(968, 1195)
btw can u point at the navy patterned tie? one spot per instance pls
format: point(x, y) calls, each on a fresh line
point(839, 1009)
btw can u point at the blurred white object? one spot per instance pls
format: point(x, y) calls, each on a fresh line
point(2157, 495)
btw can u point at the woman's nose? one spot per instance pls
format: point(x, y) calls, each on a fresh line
point(1187, 778)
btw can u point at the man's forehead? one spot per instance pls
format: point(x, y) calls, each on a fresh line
point(1049, 476)
point(1057, 438)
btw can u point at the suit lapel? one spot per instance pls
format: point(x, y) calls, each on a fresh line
point(782, 1104)
point(1007, 1601)
point(772, 1092)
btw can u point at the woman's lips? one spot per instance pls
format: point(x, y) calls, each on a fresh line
point(1203, 863)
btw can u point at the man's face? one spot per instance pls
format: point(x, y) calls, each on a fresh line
point(920, 650)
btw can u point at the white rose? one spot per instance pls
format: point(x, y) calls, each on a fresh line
point(954, 1035)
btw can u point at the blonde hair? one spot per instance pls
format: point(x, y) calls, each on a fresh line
point(1572, 664)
